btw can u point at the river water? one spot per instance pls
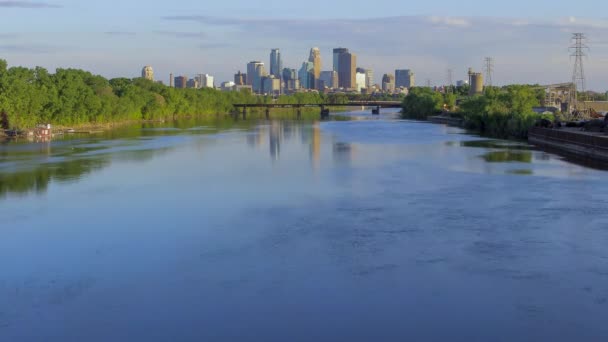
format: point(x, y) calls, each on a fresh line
point(373, 229)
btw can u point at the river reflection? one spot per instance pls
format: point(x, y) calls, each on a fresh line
point(362, 230)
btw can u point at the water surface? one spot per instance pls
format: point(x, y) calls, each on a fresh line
point(364, 230)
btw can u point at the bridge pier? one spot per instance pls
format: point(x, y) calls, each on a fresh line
point(376, 111)
point(244, 113)
point(299, 112)
point(267, 113)
point(324, 113)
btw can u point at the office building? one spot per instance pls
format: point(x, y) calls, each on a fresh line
point(205, 81)
point(271, 85)
point(306, 75)
point(330, 79)
point(240, 78)
point(171, 81)
point(192, 83)
point(181, 82)
point(148, 73)
point(255, 73)
point(361, 81)
point(404, 78)
point(388, 83)
point(276, 64)
point(315, 58)
point(337, 53)
point(347, 72)
point(369, 78)
point(289, 76)
point(228, 86)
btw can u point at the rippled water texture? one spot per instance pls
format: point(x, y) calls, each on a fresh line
point(365, 230)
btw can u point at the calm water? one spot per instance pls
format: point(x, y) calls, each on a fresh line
point(367, 230)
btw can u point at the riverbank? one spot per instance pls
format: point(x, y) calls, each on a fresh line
point(571, 141)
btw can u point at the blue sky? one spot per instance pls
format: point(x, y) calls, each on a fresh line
point(528, 39)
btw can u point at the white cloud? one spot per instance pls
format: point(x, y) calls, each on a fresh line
point(450, 21)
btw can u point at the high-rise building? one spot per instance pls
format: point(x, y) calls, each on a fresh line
point(388, 83)
point(148, 73)
point(330, 79)
point(271, 85)
point(192, 83)
point(171, 81)
point(337, 53)
point(361, 81)
point(255, 72)
point(205, 81)
point(347, 72)
point(306, 75)
point(240, 78)
point(276, 64)
point(181, 82)
point(289, 76)
point(369, 77)
point(404, 78)
point(315, 58)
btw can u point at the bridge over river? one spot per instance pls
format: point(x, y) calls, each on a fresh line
point(324, 107)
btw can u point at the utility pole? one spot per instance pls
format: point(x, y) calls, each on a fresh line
point(489, 69)
point(578, 51)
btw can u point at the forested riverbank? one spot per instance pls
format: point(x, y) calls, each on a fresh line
point(500, 112)
point(77, 98)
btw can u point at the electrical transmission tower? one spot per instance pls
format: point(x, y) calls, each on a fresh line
point(489, 69)
point(578, 49)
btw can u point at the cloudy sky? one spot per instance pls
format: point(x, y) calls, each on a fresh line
point(528, 39)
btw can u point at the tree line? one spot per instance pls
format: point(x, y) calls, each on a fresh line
point(71, 97)
point(500, 111)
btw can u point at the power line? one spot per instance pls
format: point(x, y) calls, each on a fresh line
point(489, 70)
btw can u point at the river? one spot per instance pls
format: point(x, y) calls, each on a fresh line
point(373, 229)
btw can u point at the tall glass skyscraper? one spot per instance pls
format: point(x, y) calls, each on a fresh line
point(306, 75)
point(337, 53)
point(276, 64)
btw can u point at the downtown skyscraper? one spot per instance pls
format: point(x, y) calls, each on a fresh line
point(276, 64)
point(347, 70)
point(255, 73)
point(315, 59)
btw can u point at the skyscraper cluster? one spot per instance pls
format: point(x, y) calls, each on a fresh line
point(344, 76)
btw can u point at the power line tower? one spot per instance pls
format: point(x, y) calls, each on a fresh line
point(578, 51)
point(489, 70)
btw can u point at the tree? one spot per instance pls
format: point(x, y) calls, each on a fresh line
point(421, 103)
point(4, 122)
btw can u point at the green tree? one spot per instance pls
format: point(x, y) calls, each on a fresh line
point(421, 103)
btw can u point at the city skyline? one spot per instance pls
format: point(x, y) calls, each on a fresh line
point(220, 41)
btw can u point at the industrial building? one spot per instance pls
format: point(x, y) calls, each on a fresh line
point(476, 82)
